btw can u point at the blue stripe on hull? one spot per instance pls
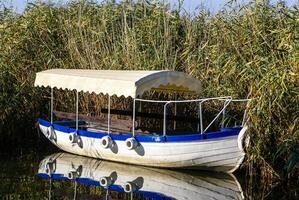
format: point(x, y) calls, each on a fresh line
point(222, 133)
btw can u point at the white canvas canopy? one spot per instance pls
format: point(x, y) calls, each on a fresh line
point(117, 82)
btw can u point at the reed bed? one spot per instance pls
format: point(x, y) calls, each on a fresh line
point(248, 51)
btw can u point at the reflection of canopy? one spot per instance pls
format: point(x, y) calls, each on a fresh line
point(117, 82)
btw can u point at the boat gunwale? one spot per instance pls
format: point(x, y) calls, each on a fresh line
point(222, 133)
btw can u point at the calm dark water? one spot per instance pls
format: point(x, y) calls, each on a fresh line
point(47, 173)
point(67, 176)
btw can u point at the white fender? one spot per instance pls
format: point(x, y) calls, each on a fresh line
point(106, 181)
point(74, 138)
point(131, 143)
point(51, 167)
point(243, 141)
point(106, 142)
point(130, 187)
point(50, 133)
point(72, 175)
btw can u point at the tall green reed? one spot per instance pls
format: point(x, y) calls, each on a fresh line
point(247, 52)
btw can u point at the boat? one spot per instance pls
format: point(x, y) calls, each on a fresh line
point(138, 181)
point(170, 146)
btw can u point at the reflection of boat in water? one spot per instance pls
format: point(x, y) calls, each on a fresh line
point(149, 182)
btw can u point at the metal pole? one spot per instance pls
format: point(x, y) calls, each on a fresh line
point(52, 104)
point(107, 194)
point(164, 118)
point(217, 116)
point(109, 120)
point(77, 110)
point(139, 119)
point(245, 114)
point(50, 189)
point(200, 116)
point(75, 191)
point(223, 114)
point(175, 113)
point(133, 125)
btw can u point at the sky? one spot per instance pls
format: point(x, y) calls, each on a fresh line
point(189, 5)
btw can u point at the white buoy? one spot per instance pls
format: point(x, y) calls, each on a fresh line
point(106, 181)
point(72, 175)
point(74, 138)
point(50, 133)
point(50, 167)
point(106, 142)
point(130, 187)
point(131, 143)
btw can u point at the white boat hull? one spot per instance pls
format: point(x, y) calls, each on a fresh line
point(220, 154)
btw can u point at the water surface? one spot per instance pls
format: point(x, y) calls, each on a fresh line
point(44, 174)
point(67, 176)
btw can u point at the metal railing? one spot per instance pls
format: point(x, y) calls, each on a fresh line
point(227, 100)
point(246, 109)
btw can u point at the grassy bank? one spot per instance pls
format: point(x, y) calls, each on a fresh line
point(246, 52)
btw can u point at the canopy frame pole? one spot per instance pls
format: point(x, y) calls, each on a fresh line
point(109, 117)
point(164, 118)
point(223, 114)
point(139, 110)
point(175, 112)
point(75, 189)
point(50, 189)
point(246, 109)
point(77, 110)
point(107, 194)
point(245, 114)
point(200, 117)
point(52, 104)
point(133, 125)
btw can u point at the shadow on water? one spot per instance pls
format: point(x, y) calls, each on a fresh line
point(35, 171)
